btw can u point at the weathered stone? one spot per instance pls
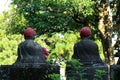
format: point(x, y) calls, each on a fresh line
point(27, 72)
point(115, 72)
point(4, 72)
point(87, 73)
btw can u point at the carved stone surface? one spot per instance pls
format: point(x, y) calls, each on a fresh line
point(41, 71)
point(27, 72)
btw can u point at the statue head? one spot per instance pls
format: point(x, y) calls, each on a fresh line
point(85, 32)
point(29, 33)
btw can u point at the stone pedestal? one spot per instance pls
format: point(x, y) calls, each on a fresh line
point(4, 72)
point(115, 72)
point(87, 72)
point(27, 72)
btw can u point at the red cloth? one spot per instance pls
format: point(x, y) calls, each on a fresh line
point(45, 52)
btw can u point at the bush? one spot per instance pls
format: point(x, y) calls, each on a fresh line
point(8, 48)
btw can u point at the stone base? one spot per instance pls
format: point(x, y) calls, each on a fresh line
point(88, 73)
point(115, 72)
point(27, 72)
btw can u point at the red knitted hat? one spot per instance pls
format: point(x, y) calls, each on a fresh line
point(85, 31)
point(28, 32)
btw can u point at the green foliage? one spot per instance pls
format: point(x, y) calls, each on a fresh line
point(98, 74)
point(8, 43)
point(12, 22)
point(62, 45)
point(75, 72)
point(54, 76)
point(84, 7)
point(48, 16)
point(8, 48)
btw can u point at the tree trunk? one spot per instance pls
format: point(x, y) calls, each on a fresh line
point(105, 26)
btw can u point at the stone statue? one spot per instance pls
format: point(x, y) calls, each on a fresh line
point(29, 51)
point(86, 50)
